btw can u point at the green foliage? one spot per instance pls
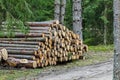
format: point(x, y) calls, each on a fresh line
point(68, 15)
point(14, 13)
point(95, 16)
point(42, 9)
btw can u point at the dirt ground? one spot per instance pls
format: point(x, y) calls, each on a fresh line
point(100, 71)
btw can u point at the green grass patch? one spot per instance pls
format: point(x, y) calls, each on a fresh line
point(13, 74)
point(101, 48)
point(93, 58)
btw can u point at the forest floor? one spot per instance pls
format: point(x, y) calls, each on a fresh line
point(98, 64)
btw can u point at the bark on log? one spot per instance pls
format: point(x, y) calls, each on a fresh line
point(18, 45)
point(39, 28)
point(14, 62)
point(29, 57)
point(20, 48)
point(23, 39)
point(30, 64)
point(18, 35)
point(29, 31)
point(46, 23)
point(21, 52)
point(20, 42)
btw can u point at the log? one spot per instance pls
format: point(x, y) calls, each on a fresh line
point(85, 48)
point(21, 34)
point(22, 52)
point(3, 53)
point(29, 57)
point(30, 28)
point(14, 62)
point(40, 28)
point(23, 39)
point(38, 31)
point(20, 48)
point(20, 42)
point(29, 64)
point(18, 32)
point(18, 45)
point(45, 23)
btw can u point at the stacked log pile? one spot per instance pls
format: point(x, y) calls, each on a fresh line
point(46, 43)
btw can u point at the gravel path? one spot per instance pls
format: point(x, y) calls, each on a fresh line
point(102, 71)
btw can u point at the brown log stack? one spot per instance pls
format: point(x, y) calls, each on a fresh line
point(46, 43)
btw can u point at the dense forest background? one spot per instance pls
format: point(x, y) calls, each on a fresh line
point(97, 16)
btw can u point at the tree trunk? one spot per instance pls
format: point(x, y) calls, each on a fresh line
point(105, 26)
point(57, 10)
point(62, 11)
point(116, 71)
point(105, 34)
point(77, 18)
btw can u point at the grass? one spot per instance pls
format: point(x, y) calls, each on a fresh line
point(101, 48)
point(13, 74)
point(95, 55)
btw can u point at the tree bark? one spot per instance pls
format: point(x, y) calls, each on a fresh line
point(18, 45)
point(21, 62)
point(116, 71)
point(77, 18)
point(41, 24)
point(22, 52)
point(105, 25)
point(29, 57)
point(57, 10)
point(20, 42)
point(24, 39)
point(62, 11)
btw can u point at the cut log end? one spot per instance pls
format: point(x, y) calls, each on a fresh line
point(4, 54)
